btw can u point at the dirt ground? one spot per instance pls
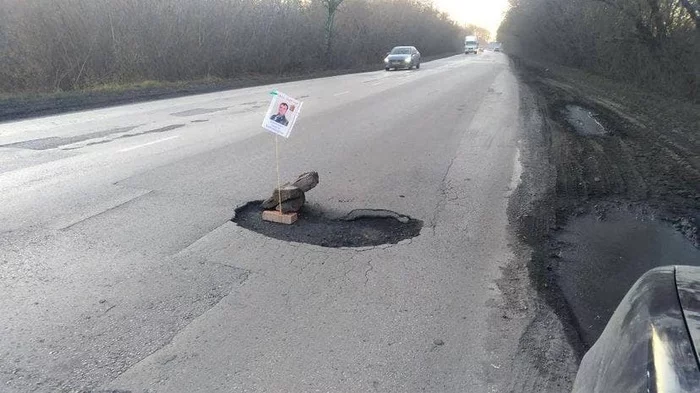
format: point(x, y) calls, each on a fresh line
point(598, 209)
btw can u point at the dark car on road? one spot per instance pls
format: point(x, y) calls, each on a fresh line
point(652, 341)
point(402, 57)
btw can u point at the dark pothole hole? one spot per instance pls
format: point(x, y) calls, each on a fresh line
point(359, 228)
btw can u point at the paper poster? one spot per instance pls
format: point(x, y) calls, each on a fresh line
point(282, 114)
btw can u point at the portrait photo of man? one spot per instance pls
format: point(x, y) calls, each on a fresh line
point(280, 116)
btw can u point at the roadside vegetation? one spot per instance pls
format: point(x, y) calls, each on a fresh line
point(67, 45)
point(588, 199)
point(651, 43)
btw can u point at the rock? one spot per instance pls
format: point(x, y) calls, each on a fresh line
point(287, 192)
point(438, 342)
point(291, 195)
point(306, 181)
point(293, 205)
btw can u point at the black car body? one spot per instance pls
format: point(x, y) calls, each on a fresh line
point(652, 340)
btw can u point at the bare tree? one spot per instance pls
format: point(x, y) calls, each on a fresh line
point(48, 45)
point(332, 8)
point(653, 43)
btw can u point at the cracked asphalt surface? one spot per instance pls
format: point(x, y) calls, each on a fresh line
point(121, 269)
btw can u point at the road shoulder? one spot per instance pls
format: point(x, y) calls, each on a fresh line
point(598, 210)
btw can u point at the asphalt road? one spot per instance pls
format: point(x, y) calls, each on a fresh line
point(120, 268)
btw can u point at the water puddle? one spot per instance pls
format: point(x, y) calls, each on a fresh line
point(600, 259)
point(583, 120)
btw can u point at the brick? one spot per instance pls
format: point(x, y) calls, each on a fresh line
point(280, 218)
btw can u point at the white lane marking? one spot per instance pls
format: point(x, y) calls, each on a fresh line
point(340, 94)
point(376, 84)
point(148, 144)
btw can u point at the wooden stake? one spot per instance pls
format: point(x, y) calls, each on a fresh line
point(279, 183)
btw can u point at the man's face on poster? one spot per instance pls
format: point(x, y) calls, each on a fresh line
point(282, 110)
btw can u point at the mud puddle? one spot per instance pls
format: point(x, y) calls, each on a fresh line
point(359, 228)
point(601, 256)
point(583, 120)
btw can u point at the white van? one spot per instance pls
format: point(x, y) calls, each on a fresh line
point(471, 44)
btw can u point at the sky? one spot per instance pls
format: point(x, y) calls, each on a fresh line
point(484, 13)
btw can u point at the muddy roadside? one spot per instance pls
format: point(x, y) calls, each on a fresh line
point(36, 105)
point(610, 188)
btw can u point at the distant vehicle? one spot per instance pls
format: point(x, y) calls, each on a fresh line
point(496, 46)
point(402, 57)
point(652, 341)
point(471, 44)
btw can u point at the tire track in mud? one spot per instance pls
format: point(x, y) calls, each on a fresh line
point(643, 173)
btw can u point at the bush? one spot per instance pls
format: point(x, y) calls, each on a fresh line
point(652, 43)
point(50, 45)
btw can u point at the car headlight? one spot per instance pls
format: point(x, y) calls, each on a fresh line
point(407, 60)
point(386, 59)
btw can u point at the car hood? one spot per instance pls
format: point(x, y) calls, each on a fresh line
point(688, 286)
point(398, 57)
point(650, 340)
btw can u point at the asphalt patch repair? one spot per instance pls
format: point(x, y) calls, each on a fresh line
point(359, 228)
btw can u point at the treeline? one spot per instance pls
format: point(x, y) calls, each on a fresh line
point(652, 43)
point(49, 45)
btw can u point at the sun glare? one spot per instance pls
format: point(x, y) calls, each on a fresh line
point(486, 14)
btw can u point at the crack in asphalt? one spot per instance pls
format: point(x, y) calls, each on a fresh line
point(242, 278)
point(371, 268)
point(350, 270)
point(135, 198)
point(442, 202)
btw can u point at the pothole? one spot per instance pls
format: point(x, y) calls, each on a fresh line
point(623, 244)
point(583, 120)
point(359, 228)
